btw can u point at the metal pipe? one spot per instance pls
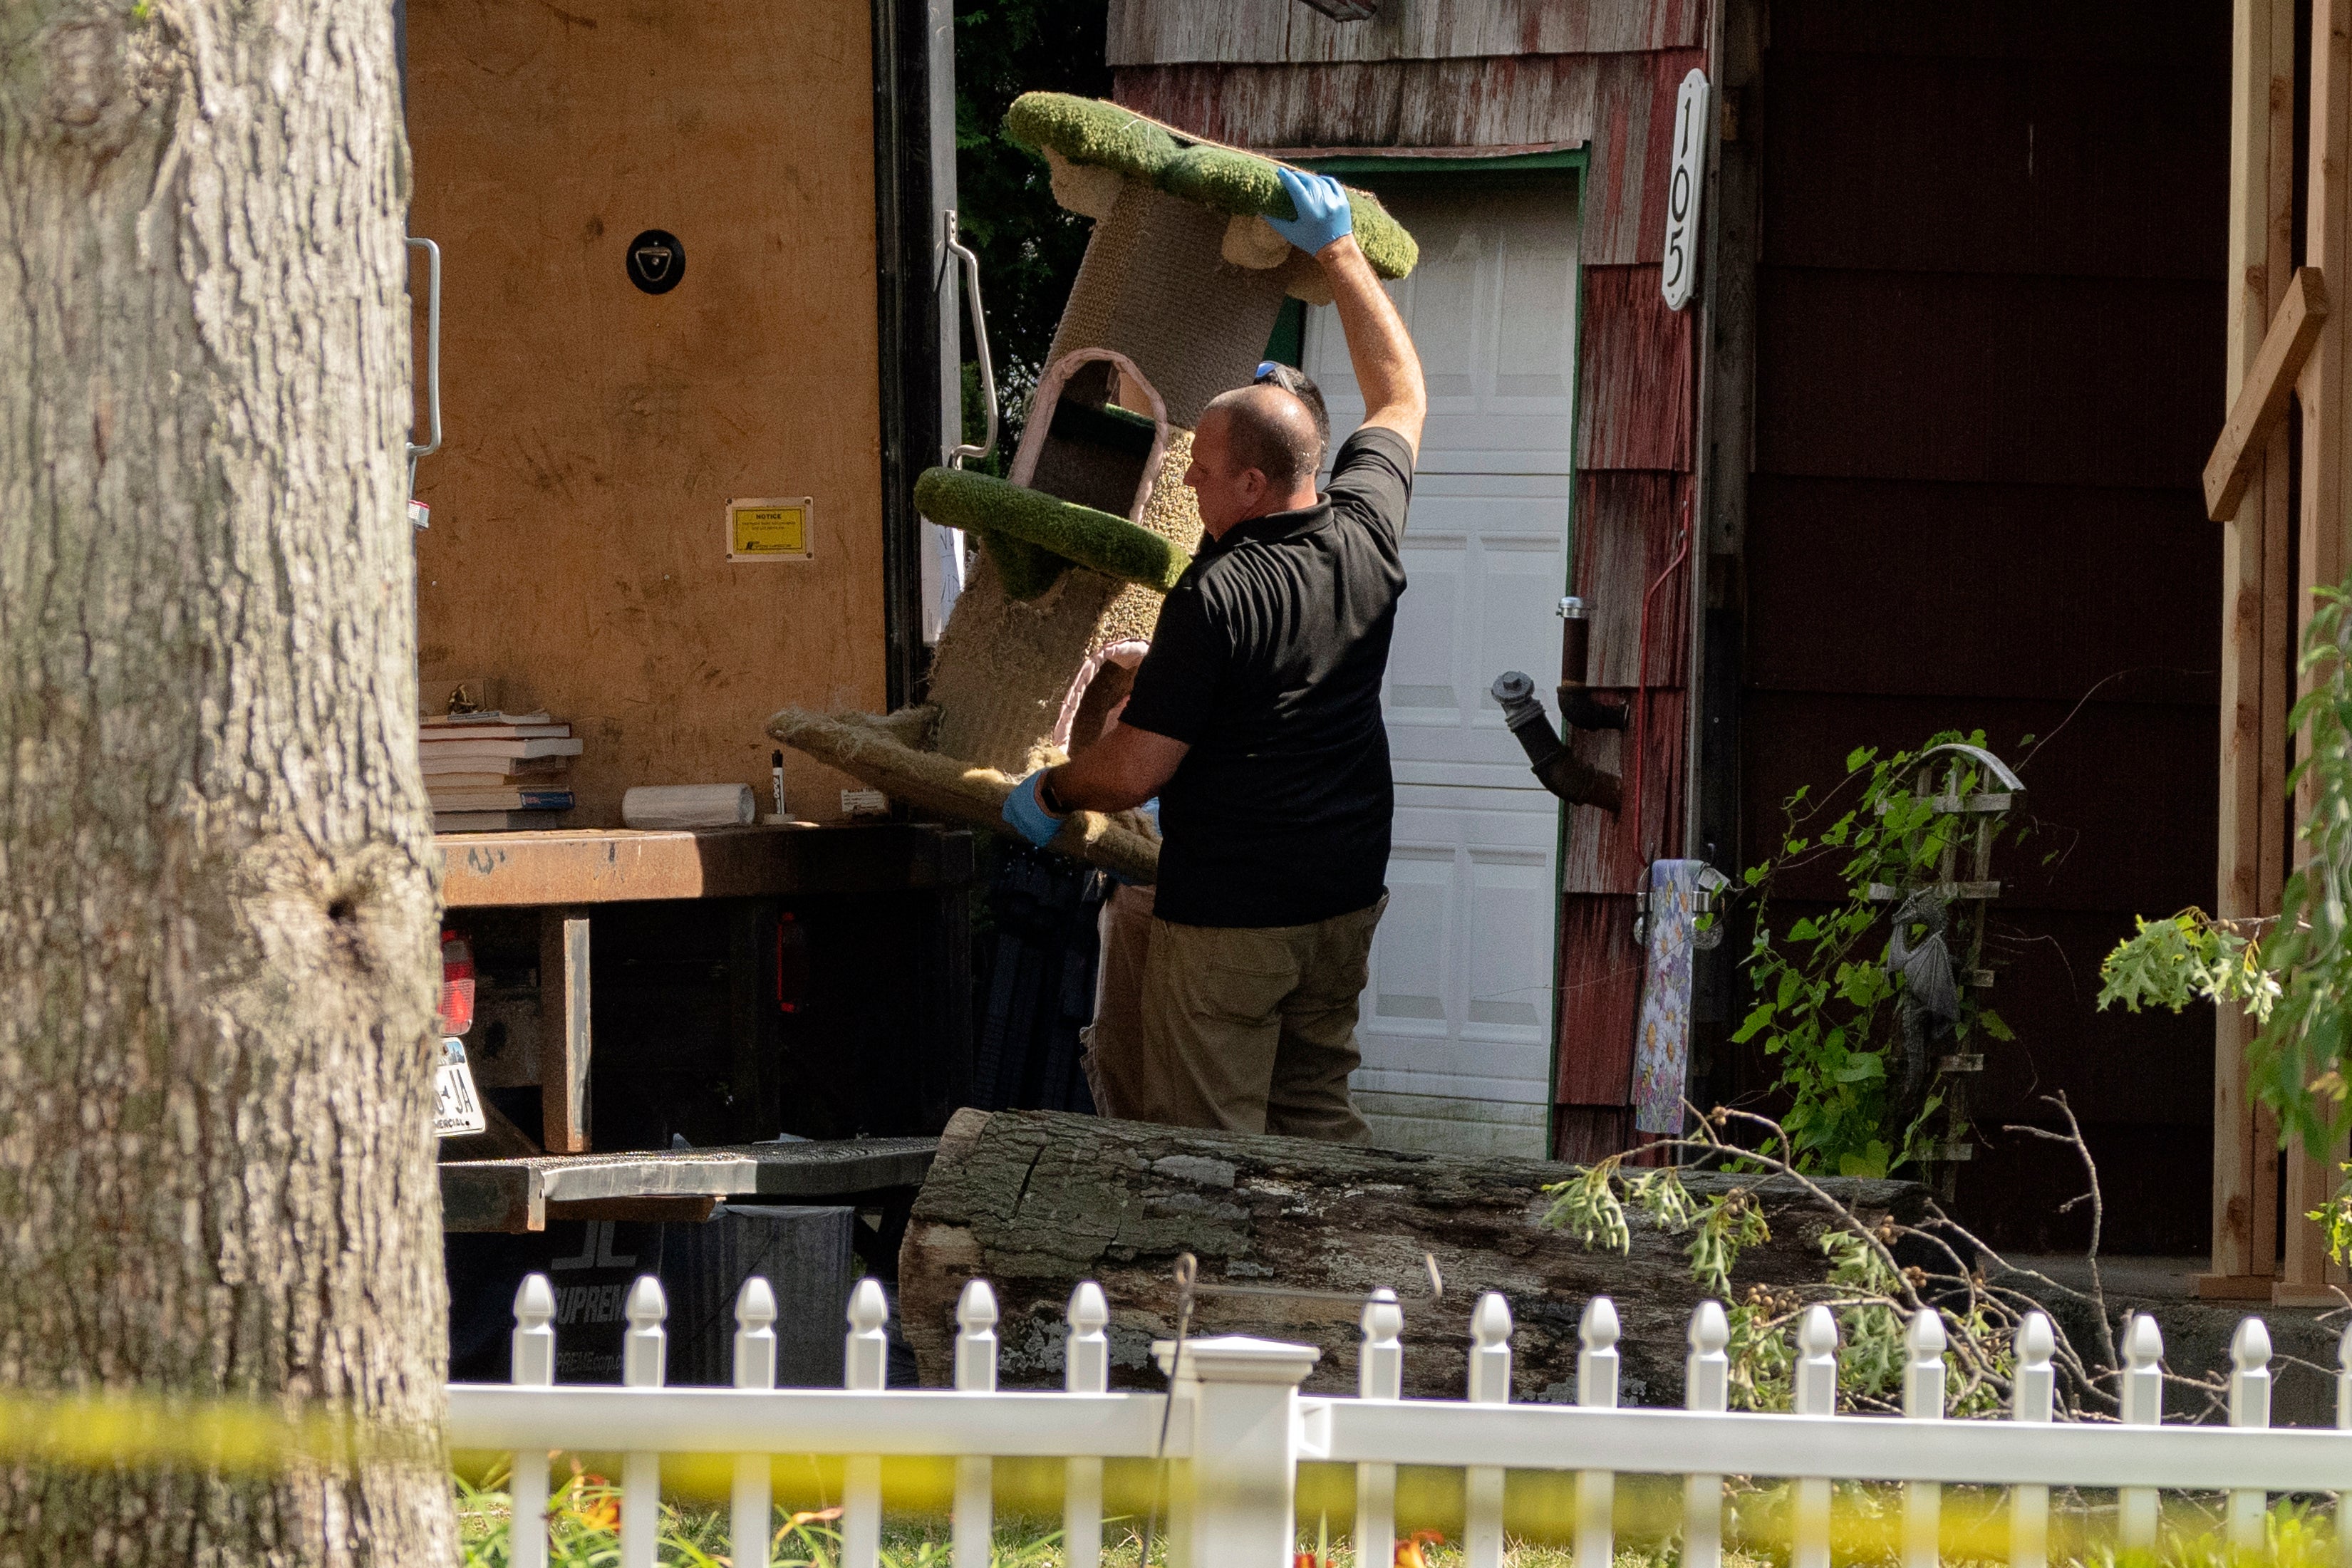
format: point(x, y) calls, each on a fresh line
point(1577, 708)
point(1556, 768)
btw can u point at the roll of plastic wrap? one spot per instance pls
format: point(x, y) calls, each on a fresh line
point(689, 805)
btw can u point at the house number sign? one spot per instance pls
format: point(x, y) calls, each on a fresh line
point(1682, 192)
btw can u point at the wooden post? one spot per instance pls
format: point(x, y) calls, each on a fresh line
point(1245, 1451)
point(2265, 390)
point(2278, 607)
point(2302, 1273)
point(2253, 629)
point(563, 1032)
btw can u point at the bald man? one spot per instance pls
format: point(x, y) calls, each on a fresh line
point(1256, 718)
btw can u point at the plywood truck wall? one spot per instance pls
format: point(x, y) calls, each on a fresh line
point(595, 433)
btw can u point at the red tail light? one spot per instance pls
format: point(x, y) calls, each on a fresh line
point(456, 983)
point(791, 963)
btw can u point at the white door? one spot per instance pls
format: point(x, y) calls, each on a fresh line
point(1456, 1024)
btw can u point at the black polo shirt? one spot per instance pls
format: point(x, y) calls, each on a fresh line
point(1267, 661)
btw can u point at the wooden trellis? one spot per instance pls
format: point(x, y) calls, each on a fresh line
point(2287, 352)
point(1995, 791)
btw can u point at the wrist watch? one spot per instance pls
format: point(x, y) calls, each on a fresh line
point(1048, 797)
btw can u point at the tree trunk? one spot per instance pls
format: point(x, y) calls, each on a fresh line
point(1034, 1202)
point(217, 872)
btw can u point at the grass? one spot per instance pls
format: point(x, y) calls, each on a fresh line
point(1030, 534)
point(1223, 179)
point(584, 1514)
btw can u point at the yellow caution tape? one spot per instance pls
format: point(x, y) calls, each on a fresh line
point(248, 1438)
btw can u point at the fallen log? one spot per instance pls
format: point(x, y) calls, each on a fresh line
point(1035, 1201)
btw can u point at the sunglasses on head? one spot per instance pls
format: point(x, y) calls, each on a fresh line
point(1274, 374)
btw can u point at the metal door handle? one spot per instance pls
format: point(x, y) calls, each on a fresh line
point(432, 361)
point(964, 254)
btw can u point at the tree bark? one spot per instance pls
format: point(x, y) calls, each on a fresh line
point(1033, 1202)
point(217, 875)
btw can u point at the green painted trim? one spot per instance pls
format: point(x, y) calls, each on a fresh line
point(1288, 343)
point(1577, 159)
point(1576, 427)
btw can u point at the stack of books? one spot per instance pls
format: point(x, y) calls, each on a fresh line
point(495, 772)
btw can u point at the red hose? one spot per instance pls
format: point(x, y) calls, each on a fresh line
point(1641, 693)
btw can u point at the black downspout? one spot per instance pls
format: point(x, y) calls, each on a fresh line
point(908, 309)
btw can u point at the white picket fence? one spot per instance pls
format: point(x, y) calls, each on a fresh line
point(1238, 1429)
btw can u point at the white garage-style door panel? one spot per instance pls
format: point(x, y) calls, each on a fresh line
point(1492, 309)
point(1407, 997)
point(1460, 996)
point(1486, 556)
point(1456, 1023)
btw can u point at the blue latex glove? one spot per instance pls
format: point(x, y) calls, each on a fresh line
point(1027, 814)
point(1322, 205)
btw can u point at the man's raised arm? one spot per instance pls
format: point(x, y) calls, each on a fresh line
point(1379, 347)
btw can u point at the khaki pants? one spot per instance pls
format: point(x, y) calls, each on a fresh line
point(1251, 1029)
point(1114, 1041)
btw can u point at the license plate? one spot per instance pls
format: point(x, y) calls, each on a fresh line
point(457, 1109)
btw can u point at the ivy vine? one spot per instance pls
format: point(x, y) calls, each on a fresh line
point(1825, 1007)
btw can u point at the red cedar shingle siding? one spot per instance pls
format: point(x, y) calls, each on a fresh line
point(1600, 856)
point(1621, 106)
point(1624, 215)
point(1388, 103)
point(1636, 375)
point(1282, 32)
point(1626, 523)
point(1597, 957)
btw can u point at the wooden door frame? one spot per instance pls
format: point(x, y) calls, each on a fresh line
point(909, 241)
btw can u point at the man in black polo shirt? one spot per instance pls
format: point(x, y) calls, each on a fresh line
point(1256, 718)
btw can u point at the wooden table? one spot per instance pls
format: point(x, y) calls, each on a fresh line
point(569, 868)
point(522, 1195)
point(565, 873)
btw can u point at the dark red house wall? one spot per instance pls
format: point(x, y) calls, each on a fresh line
point(1988, 367)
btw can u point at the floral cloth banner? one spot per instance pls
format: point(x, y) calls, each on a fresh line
point(1662, 1042)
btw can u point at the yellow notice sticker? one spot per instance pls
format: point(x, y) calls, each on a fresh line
point(769, 530)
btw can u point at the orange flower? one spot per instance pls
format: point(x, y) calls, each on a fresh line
point(1408, 1552)
point(595, 1501)
point(814, 1516)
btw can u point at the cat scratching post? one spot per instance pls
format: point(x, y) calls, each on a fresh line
point(1174, 302)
